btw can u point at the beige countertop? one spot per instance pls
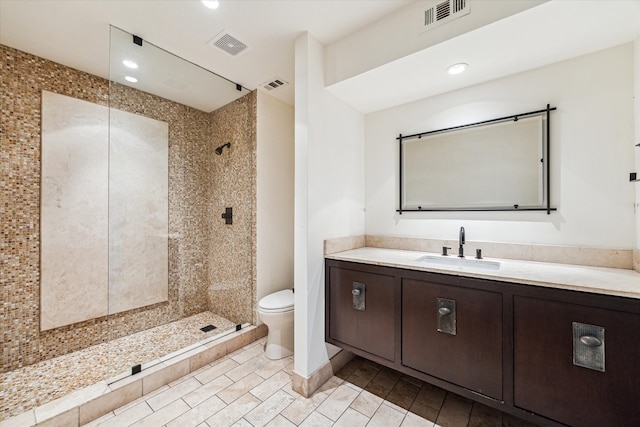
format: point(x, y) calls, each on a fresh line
point(600, 280)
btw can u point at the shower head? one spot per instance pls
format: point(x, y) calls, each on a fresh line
point(219, 149)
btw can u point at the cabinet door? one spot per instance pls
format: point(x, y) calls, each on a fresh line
point(472, 358)
point(370, 328)
point(546, 380)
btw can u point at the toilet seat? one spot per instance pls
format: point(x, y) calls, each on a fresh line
point(277, 302)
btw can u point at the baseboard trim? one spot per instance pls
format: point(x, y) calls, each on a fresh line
point(307, 386)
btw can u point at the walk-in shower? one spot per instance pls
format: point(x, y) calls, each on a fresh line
point(120, 257)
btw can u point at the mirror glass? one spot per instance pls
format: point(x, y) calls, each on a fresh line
point(492, 166)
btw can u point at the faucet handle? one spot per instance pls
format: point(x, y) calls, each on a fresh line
point(444, 250)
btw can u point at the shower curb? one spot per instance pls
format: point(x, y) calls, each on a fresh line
point(87, 404)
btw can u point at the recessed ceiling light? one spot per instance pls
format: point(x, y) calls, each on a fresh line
point(211, 4)
point(457, 68)
point(131, 79)
point(130, 64)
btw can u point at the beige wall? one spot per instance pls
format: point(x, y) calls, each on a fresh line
point(275, 153)
point(194, 208)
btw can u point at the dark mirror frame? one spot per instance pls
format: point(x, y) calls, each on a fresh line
point(545, 201)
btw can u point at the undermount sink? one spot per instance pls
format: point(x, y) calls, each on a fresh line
point(455, 261)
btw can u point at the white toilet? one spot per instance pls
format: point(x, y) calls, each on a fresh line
point(276, 311)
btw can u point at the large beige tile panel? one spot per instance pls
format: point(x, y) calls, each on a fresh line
point(138, 211)
point(100, 165)
point(74, 211)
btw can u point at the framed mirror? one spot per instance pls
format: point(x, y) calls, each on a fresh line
point(498, 164)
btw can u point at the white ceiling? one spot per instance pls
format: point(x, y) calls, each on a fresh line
point(76, 33)
point(545, 34)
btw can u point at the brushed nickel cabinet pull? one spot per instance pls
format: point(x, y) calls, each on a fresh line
point(588, 346)
point(358, 295)
point(444, 311)
point(590, 340)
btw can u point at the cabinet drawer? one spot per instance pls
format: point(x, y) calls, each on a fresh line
point(371, 326)
point(472, 358)
point(546, 380)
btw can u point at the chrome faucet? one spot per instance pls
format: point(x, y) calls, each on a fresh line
point(461, 242)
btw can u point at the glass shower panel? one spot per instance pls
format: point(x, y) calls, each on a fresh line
point(162, 143)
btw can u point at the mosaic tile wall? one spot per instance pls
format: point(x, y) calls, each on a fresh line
point(232, 260)
point(194, 212)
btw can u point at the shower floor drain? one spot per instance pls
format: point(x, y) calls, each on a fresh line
point(208, 328)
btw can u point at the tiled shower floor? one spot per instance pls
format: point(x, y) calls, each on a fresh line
point(35, 385)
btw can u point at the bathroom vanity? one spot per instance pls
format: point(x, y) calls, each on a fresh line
point(554, 344)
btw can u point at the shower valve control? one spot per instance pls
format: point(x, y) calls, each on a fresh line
point(228, 215)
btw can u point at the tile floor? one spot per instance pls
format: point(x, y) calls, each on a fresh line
point(245, 389)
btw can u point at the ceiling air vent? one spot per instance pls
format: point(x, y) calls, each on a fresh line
point(229, 44)
point(440, 12)
point(274, 83)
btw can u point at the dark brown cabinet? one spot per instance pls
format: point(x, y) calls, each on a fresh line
point(546, 380)
point(550, 356)
point(471, 355)
point(371, 327)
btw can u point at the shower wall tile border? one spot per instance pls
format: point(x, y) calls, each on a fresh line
point(92, 402)
point(192, 209)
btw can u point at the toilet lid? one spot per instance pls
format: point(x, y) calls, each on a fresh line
point(281, 300)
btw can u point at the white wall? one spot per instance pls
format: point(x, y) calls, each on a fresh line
point(592, 135)
point(274, 195)
point(329, 193)
point(400, 34)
